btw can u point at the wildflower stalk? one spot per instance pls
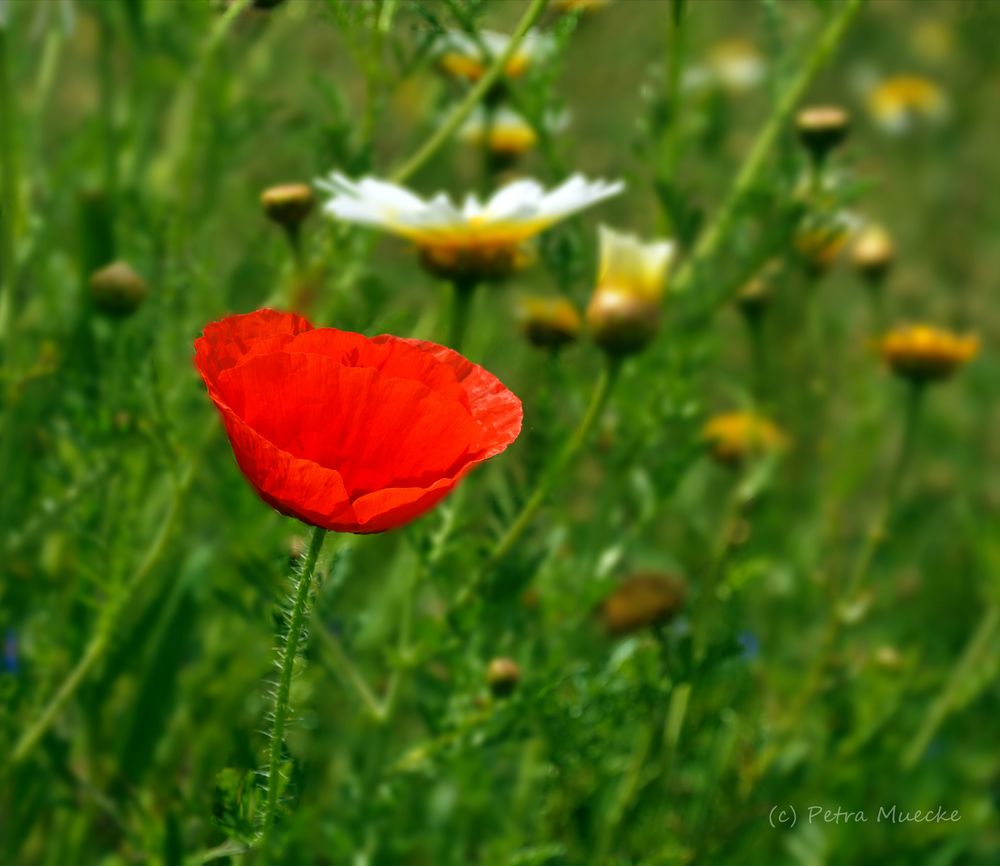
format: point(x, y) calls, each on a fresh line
point(976, 654)
point(288, 650)
point(110, 624)
point(349, 673)
point(8, 214)
point(462, 111)
point(598, 400)
point(875, 535)
point(463, 294)
point(717, 232)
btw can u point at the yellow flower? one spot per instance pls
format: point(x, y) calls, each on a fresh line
point(549, 323)
point(506, 134)
point(898, 102)
point(733, 437)
point(873, 253)
point(921, 353)
point(462, 57)
point(624, 312)
point(474, 241)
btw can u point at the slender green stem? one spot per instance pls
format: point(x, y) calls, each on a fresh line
point(349, 673)
point(873, 539)
point(8, 271)
point(288, 650)
point(716, 565)
point(602, 390)
point(473, 98)
point(717, 232)
point(877, 532)
point(758, 348)
point(463, 295)
point(976, 654)
point(110, 624)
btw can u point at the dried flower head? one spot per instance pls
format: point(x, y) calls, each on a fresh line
point(549, 323)
point(644, 599)
point(117, 289)
point(822, 128)
point(288, 204)
point(477, 241)
point(624, 312)
point(735, 436)
point(502, 676)
point(921, 353)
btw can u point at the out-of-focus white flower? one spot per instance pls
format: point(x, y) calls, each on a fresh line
point(629, 264)
point(624, 312)
point(733, 65)
point(461, 56)
point(896, 103)
point(481, 239)
point(507, 133)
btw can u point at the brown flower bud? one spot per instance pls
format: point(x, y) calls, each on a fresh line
point(644, 599)
point(502, 676)
point(822, 128)
point(288, 204)
point(622, 322)
point(549, 323)
point(117, 290)
point(755, 296)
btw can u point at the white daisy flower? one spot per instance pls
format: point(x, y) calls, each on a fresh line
point(461, 56)
point(477, 239)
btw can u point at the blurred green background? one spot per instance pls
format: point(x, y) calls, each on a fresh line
point(145, 131)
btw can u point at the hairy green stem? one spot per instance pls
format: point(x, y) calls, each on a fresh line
point(717, 232)
point(473, 98)
point(288, 650)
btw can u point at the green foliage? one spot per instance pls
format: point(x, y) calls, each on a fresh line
point(143, 585)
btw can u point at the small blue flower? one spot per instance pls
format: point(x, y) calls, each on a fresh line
point(750, 644)
point(11, 662)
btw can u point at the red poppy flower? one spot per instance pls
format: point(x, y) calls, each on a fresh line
point(350, 433)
